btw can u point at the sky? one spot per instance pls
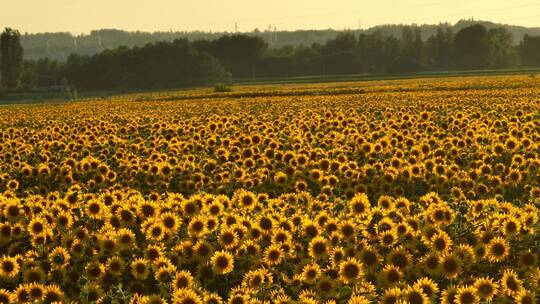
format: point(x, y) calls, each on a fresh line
point(82, 16)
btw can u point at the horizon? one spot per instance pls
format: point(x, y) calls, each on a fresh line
point(244, 16)
point(283, 30)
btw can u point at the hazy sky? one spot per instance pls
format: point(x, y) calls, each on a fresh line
point(81, 16)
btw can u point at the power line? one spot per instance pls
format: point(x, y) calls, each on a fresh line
point(463, 14)
point(477, 12)
point(519, 18)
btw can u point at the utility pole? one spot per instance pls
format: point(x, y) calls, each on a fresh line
point(236, 27)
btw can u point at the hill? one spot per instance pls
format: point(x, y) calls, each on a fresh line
point(60, 45)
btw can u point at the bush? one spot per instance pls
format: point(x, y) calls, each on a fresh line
point(221, 87)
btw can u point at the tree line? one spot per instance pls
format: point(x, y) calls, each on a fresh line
point(60, 45)
point(201, 62)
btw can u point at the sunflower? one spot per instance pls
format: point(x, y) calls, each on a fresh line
point(466, 253)
point(467, 295)
point(246, 199)
point(34, 274)
point(326, 287)
point(525, 297)
point(202, 251)
point(95, 209)
point(155, 232)
point(228, 238)
point(485, 288)
point(359, 206)
point(356, 299)
point(400, 258)
point(450, 266)
point(153, 252)
point(126, 216)
point(415, 295)
point(281, 235)
point(222, 262)
point(510, 283)
point(146, 209)
point(182, 279)
point(428, 287)
point(37, 226)
point(391, 295)
point(388, 238)
point(12, 210)
point(165, 274)
point(6, 297)
point(212, 298)
point(510, 226)
point(369, 257)
point(477, 207)
point(215, 208)
point(59, 257)
point(350, 270)
point(265, 223)
point(53, 294)
point(126, 238)
point(64, 220)
point(310, 273)
point(238, 298)
point(36, 291)
point(186, 296)
point(440, 242)
point(5, 232)
point(152, 299)
point(347, 230)
point(253, 279)
point(497, 249)
point(21, 294)
point(190, 207)
point(12, 185)
point(115, 265)
point(250, 248)
point(273, 255)
point(527, 259)
point(449, 295)
point(534, 278)
point(480, 252)
point(139, 268)
point(318, 248)
point(315, 174)
point(9, 267)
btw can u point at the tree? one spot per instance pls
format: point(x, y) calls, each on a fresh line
point(472, 47)
point(529, 50)
point(12, 58)
point(440, 47)
point(342, 43)
point(411, 55)
point(502, 53)
point(238, 53)
point(154, 66)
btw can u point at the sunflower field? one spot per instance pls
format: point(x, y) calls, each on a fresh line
point(410, 191)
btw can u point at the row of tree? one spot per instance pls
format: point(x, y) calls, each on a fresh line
point(184, 63)
point(11, 58)
point(60, 45)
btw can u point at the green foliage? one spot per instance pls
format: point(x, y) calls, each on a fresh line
point(529, 50)
point(184, 63)
point(11, 53)
point(221, 87)
point(154, 66)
